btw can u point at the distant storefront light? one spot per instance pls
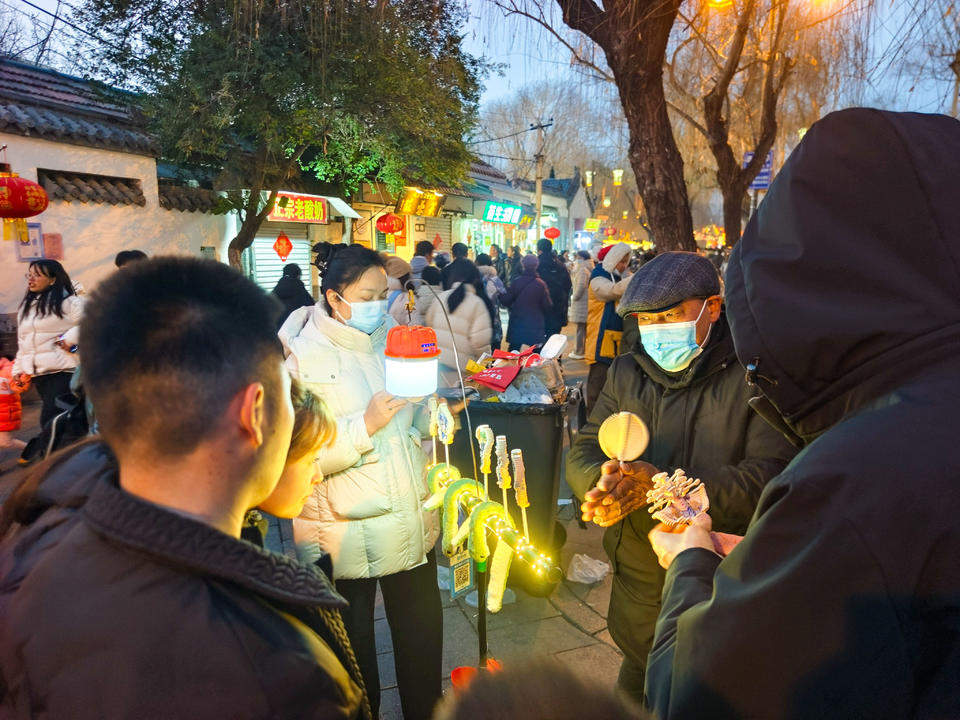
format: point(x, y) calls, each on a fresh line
point(501, 213)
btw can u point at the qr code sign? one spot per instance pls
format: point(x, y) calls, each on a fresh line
point(461, 575)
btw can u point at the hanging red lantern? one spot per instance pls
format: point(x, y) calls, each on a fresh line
point(610, 231)
point(283, 247)
point(551, 233)
point(19, 197)
point(389, 224)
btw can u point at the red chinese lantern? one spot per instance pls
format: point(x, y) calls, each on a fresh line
point(19, 197)
point(389, 224)
point(610, 231)
point(551, 233)
point(283, 247)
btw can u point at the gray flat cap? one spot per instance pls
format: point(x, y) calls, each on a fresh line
point(668, 279)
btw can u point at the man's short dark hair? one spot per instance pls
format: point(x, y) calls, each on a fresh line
point(424, 248)
point(167, 345)
point(128, 256)
point(459, 250)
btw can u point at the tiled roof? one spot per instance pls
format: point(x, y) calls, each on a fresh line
point(39, 102)
point(85, 187)
point(187, 199)
point(559, 187)
point(485, 171)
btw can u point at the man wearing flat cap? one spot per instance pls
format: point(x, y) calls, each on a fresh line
point(683, 380)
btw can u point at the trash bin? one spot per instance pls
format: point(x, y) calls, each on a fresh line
point(538, 431)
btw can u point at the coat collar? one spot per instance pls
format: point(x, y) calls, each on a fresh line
point(185, 543)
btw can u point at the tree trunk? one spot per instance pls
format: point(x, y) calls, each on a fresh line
point(733, 197)
point(251, 219)
point(657, 164)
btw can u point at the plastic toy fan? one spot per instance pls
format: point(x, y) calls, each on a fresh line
point(623, 437)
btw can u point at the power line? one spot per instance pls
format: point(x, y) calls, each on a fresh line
point(502, 137)
point(74, 26)
point(502, 157)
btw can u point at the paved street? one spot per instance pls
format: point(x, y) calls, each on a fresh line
point(570, 625)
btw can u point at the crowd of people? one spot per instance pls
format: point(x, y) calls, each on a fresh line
point(811, 391)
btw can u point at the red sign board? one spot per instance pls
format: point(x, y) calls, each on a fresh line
point(293, 207)
point(283, 247)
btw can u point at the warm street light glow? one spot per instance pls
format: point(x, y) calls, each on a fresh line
point(720, 4)
point(589, 175)
point(617, 177)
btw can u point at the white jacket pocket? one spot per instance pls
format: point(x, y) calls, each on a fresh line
point(358, 494)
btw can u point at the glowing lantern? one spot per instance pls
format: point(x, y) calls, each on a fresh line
point(606, 202)
point(617, 177)
point(625, 214)
point(412, 361)
point(551, 233)
point(610, 231)
point(389, 224)
point(283, 247)
point(19, 199)
point(589, 175)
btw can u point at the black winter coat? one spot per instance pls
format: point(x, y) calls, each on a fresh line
point(111, 607)
point(529, 302)
point(557, 278)
point(843, 600)
point(291, 292)
point(699, 420)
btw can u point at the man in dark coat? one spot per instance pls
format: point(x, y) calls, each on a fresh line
point(125, 589)
point(683, 381)
point(843, 599)
point(290, 291)
point(557, 278)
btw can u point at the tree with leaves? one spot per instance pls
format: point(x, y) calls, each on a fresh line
point(258, 92)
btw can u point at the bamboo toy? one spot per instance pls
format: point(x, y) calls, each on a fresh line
point(485, 438)
point(520, 486)
point(503, 469)
point(432, 404)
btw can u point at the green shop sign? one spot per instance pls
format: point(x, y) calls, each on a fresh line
point(503, 213)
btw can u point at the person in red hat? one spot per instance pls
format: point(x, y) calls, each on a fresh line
point(604, 326)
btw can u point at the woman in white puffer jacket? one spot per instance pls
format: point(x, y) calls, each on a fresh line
point(48, 332)
point(368, 513)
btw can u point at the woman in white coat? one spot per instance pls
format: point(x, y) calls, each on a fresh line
point(368, 511)
point(470, 315)
point(581, 271)
point(48, 332)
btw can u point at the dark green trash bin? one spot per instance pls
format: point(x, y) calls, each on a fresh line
point(538, 431)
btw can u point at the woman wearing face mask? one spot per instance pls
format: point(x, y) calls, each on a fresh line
point(367, 514)
point(47, 331)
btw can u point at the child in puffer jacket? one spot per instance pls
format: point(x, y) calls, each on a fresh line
point(10, 409)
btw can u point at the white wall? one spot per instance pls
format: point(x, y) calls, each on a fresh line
point(93, 233)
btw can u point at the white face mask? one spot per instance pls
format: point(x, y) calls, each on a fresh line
point(365, 316)
point(673, 346)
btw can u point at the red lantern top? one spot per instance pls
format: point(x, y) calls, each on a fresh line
point(411, 342)
point(389, 224)
point(551, 233)
point(19, 197)
point(610, 232)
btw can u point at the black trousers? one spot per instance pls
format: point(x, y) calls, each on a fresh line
point(50, 387)
point(415, 615)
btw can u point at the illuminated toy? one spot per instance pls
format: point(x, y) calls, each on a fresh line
point(520, 486)
point(676, 499)
point(412, 360)
point(485, 439)
point(503, 468)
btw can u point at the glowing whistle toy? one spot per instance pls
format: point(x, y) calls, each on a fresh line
point(432, 404)
point(445, 428)
point(503, 468)
point(485, 438)
point(520, 486)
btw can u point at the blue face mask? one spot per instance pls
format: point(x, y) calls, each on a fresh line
point(365, 316)
point(673, 346)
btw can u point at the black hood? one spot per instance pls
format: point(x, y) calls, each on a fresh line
point(717, 355)
point(847, 279)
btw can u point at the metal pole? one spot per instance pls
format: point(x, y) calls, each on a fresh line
point(482, 610)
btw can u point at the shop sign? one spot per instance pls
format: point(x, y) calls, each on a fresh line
point(423, 203)
point(592, 224)
point(502, 213)
point(294, 207)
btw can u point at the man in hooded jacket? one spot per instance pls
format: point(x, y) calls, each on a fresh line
point(683, 381)
point(843, 599)
point(604, 325)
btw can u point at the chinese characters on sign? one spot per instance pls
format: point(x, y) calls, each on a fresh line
point(292, 207)
point(503, 213)
point(423, 203)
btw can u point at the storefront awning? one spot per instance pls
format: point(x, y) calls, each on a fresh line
point(340, 207)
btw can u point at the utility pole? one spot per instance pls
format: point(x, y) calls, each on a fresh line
point(955, 66)
point(540, 127)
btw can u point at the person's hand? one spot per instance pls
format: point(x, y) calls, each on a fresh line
point(621, 489)
point(669, 541)
point(20, 383)
point(383, 406)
